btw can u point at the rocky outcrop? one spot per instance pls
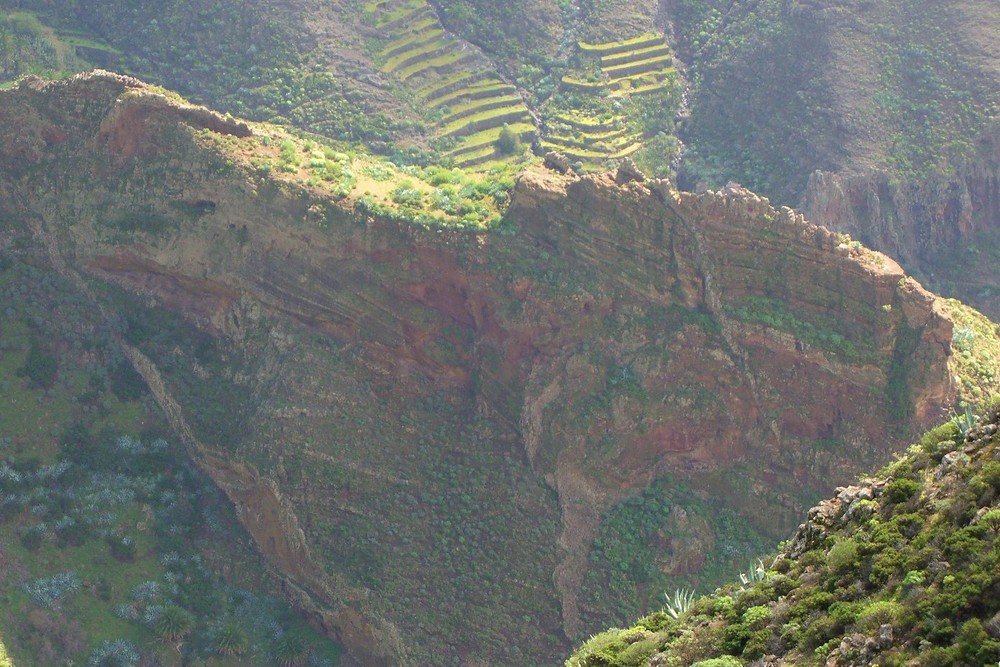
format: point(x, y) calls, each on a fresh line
point(413, 423)
point(920, 223)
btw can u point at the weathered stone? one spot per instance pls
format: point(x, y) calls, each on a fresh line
point(557, 162)
point(628, 172)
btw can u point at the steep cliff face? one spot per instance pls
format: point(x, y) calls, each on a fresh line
point(875, 118)
point(431, 432)
point(934, 226)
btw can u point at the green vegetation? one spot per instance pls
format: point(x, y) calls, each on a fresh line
point(614, 97)
point(114, 541)
point(431, 196)
point(201, 50)
point(631, 560)
point(458, 508)
point(468, 104)
point(903, 570)
point(930, 100)
point(81, 595)
point(819, 332)
point(932, 93)
point(976, 357)
point(728, 139)
point(28, 46)
point(505, 30)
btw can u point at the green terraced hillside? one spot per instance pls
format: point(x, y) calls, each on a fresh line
point(28, 46)
point(589, 122)
point(452, 83)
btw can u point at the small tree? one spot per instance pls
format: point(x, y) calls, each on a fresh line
point(508, 143)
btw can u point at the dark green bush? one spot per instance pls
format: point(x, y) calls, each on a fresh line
point(40, 366)
point(990, 474)
point(900, 490)
point(843, 556)
point(975, 646)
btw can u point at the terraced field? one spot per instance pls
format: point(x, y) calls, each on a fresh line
point(451, 81)
point(630, 67)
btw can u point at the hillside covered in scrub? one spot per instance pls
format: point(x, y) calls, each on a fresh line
point(901, 568)
point(449, 310)
point(431, 396)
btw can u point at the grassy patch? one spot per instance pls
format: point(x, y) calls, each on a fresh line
point(819, 332)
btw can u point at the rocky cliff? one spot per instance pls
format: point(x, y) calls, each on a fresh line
point(433, 432)
point(874, 118)
point(937, 226)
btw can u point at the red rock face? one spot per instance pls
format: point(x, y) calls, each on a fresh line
point(624, 332)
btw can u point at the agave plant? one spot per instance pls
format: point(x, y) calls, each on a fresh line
point(965, 422)
point(117, 652)
point(756, 573)
point(679, 603)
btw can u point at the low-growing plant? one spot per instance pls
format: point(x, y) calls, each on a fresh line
point(965, 421)
point(50, 591)
point(900, 490)
point(231, 639)
point(114, 653)
point(843, 555)
point(755, 574)
point(679, 604)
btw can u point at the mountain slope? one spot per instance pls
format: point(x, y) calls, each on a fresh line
point(876, 118)
point(784, 88)
point(424, 422)
point(900, 569)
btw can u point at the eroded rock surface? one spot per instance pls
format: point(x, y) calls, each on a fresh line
point(422, 429)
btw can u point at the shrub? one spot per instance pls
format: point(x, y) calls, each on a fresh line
point(990, 474)
point(123, 548)
point(638, 653)
point(939, 439)
point(508, 143)
point(230, 640)
point(404, 194)
point(49, 591)
point(879, 613)
point(900, 490)
point(724, 661)
point(843, 555)
point(39, 367)
point(756, 617)
point(114, 653)
point(757, 645)
point(33, 537)
point(290, 651)
point(975, 647)
point(174, 623)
